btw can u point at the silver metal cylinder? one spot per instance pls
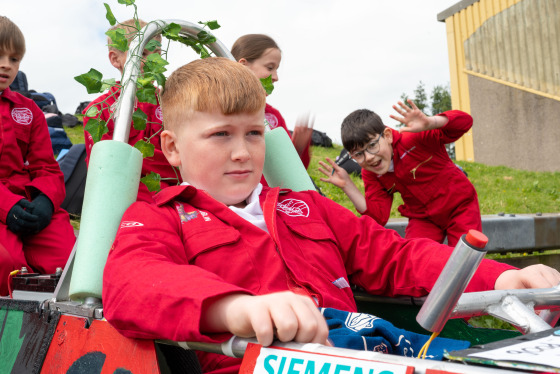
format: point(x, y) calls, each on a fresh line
point(452, 281)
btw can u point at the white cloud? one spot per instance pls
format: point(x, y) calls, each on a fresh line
point(338, 56)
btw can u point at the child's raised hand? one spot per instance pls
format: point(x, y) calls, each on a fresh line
point(284, 315)
point(412, 117)
point(303, 131)
point(335, 174)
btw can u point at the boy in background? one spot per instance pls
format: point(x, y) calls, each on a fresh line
point(439, 200)
point(222, 255)
point(34, 231)
point(106, 106)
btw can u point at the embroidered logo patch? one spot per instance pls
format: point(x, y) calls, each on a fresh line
point(359, 321)
point(159, 113)
point(131, 224)
point(271, 119)
point(23, 116)
point(341, 283)
point(184, 216)
point(293, 208)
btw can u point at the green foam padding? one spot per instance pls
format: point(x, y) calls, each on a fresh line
point(111, 187)
point(282, 165)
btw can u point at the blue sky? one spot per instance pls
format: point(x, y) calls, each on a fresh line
point(337, 56)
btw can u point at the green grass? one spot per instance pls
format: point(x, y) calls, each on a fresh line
point(499, 188)
point(75, 134)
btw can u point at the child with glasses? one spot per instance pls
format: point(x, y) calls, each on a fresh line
point(438, 198)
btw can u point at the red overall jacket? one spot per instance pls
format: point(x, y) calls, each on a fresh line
point(27, 163)
point(171, 258)
point(157, 163)
point(430, 184)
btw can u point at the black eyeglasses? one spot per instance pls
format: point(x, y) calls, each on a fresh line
point(372, 148)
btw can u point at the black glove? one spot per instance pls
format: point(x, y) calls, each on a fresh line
point(19, 220)
point(43, 208)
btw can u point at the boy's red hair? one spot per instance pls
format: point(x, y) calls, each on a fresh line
point(208, 85)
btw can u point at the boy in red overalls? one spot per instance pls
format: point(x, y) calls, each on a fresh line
point(34, 231)
point(106, 106)
point(438, 198)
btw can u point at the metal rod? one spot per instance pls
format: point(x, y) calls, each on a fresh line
point(125, 104)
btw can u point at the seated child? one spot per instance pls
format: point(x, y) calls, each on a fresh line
point(105, 103)
point(34, 231)
point(438, 198)
point(222, 255)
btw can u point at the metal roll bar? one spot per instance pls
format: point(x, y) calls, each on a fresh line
point(125, 104)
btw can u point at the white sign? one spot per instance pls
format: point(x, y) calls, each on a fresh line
point(544, 351)
point(287, 361)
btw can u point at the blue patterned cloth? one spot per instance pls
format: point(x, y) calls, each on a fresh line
point(370, 333)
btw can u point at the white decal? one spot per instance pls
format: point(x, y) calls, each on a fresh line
point(407, 152)
point(23, 116)
point(359, 321)
point(271, 119)
point(130, 224)
point(293, 208)
point(159, 113)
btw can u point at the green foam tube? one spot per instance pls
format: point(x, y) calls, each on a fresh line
point(111, 186)
point(282, 165)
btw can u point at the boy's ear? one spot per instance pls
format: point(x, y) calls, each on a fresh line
point(115, 57)
point(170, 147)
point(388, 135)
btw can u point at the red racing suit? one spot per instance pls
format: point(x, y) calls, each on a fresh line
point(438, 198)
point(157, 163)
point(27, 168)
point(170, 259)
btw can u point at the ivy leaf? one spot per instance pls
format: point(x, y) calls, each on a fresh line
point(110, 17)
point(139, 119)
point(205, 38)
point(92, 81)
point(146, 148)
point(171, 30)
point(204, 53)
point(160, 79)
point(212, 25)
point(97, 128)
point(92, 112)
point(118, 39)
point(152, 181)
point(153, 45)
point(155, 64)
point(267, 84)
point(147, 94)
point(107, 83)
point(126, 2)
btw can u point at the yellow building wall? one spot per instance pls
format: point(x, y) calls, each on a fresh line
point(459, 27)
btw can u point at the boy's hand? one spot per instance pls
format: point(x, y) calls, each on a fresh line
point(335, 174)
point(19, 220)
point(414, 120)
point(284, 315)
point(43, 209)
point(301, 136)
point(534, 276)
